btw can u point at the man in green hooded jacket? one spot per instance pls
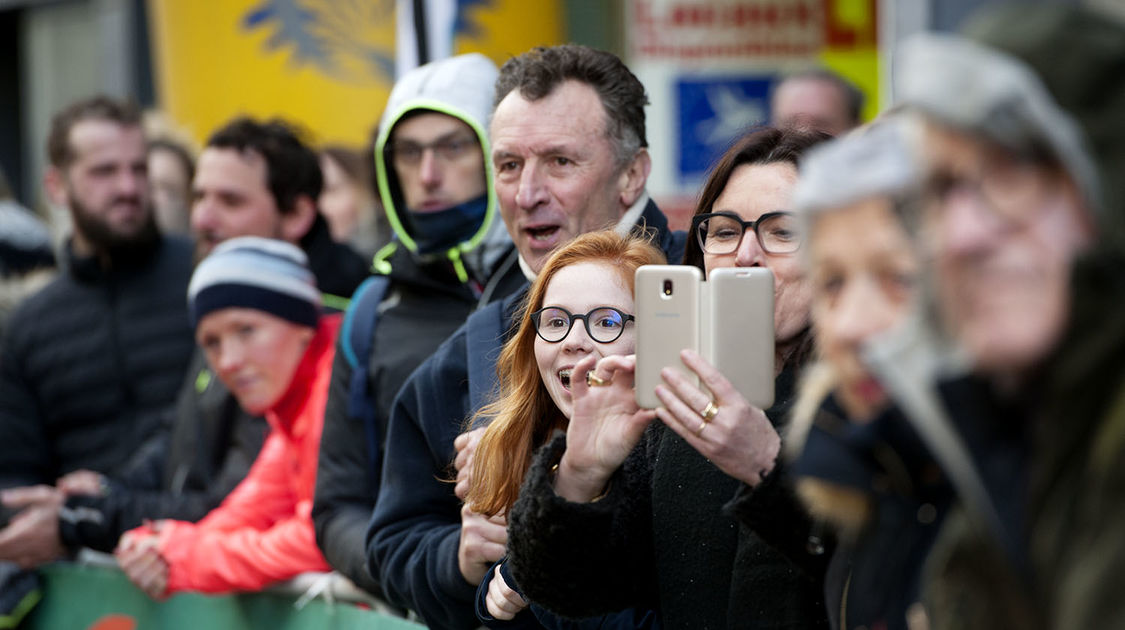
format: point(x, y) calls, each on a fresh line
point(451, 254)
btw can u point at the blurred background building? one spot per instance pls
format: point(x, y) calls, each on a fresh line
point(708, 64)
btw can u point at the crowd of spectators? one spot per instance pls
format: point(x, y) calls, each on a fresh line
point(414, 364)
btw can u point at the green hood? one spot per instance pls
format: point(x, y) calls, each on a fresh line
point(460, 87)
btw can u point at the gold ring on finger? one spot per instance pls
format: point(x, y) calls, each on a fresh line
point(593, 380)
point(699, 431)
point(709, 412)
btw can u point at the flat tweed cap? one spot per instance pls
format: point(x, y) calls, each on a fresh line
point(880, 159)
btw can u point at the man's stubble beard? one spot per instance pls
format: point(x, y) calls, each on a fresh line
point(109, 242)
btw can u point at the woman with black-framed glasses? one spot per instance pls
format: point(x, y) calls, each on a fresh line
point(580, 308)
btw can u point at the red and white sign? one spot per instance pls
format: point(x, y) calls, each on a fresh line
point(734, 29)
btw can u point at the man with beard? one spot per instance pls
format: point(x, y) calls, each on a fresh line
point(88, 364)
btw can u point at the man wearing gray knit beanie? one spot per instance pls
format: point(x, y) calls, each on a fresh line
point(1023, 219)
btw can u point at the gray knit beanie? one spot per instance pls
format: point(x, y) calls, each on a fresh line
point(1078, 52)
point(259, 273)
point(1036, 76)
point(987, 92)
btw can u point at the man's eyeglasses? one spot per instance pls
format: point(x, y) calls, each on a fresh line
point(1010, 187)
point(408, 153)
point(721, 232)
point(604, 324)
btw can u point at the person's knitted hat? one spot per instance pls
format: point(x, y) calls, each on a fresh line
point(1079, 54)
point(259, 273)
point(1033, 77)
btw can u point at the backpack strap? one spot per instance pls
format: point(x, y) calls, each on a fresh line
point(358, 334)
point(484, 340)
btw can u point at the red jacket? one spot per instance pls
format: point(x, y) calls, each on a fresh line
point(263, 531)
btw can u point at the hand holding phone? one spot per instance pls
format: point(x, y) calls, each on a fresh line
point(721, 425)
point(728, 320)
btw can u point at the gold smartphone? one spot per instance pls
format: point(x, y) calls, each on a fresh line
point(668, 312)
point(728, 320)
point(738, 334)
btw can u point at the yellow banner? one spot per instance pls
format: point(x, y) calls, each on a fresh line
point(326, 64)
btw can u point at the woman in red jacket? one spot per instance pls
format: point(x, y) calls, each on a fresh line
point(256, 313)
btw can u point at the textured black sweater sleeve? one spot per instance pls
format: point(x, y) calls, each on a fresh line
point(774, 513)
point(584, 559)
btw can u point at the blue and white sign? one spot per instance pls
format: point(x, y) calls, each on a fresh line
point(711, 112)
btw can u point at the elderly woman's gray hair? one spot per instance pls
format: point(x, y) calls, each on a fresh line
point(881, 159)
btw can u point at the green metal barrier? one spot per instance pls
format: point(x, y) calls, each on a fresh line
point(77, 597)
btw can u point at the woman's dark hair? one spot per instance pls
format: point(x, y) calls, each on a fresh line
point(761, 145)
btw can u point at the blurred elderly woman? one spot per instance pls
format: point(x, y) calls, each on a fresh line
point(859, 464)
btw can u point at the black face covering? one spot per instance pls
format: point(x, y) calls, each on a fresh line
point(436, 232)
